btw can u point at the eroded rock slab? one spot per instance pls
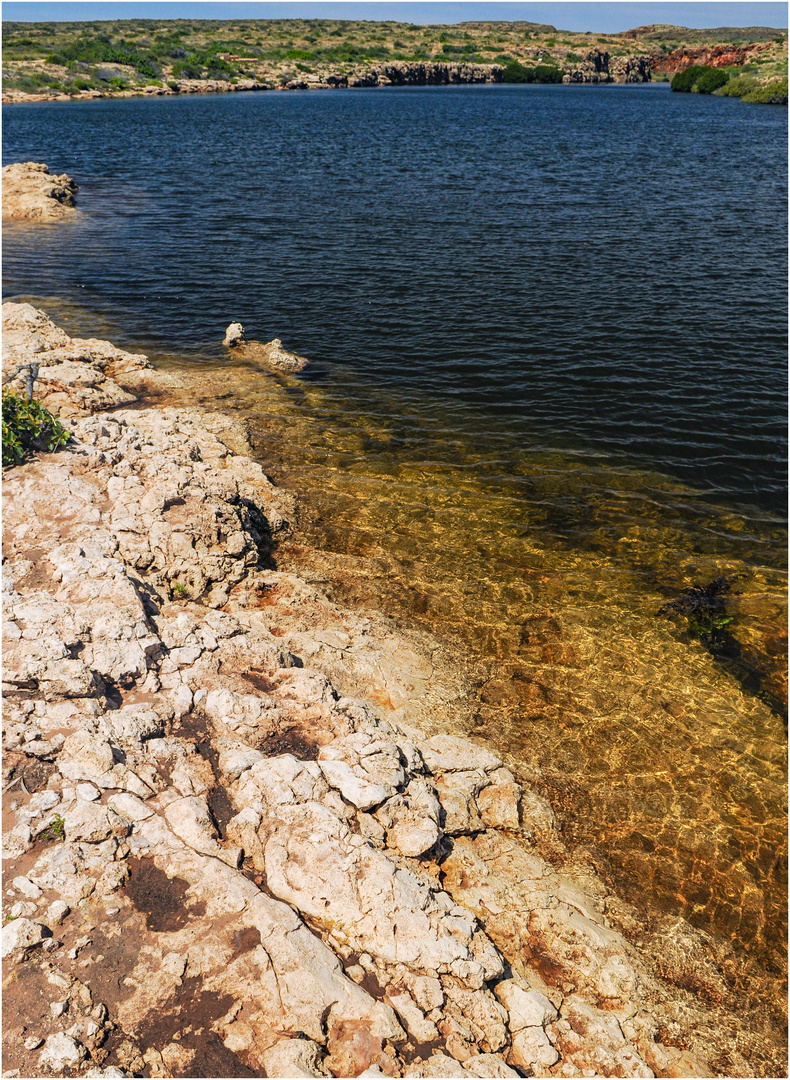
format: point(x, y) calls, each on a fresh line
point(32, 194)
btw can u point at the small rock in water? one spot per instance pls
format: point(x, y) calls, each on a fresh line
point(234, 335)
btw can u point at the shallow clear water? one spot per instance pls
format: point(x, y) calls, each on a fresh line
point(548, 334)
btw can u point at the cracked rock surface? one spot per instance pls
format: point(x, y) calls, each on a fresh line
point(230, 848)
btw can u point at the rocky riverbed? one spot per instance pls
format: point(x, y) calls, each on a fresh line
point(241, 834)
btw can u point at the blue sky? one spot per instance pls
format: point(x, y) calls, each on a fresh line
point(607, 17)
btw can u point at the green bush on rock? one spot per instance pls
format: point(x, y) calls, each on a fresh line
point(27, 426)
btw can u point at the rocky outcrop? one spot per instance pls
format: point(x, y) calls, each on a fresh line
point(597, 66)
point(73, 376)
point(400, 73)
point(404, 73)
point(221, 861)
point(271, 353)
point(31, 194)
point(713, 56)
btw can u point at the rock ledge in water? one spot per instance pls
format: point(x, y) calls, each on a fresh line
point(272, 352)
point(29, 192)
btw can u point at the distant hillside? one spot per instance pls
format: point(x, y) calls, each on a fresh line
point(112, 57)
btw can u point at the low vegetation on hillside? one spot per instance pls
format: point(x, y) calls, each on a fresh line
point(121, 55)
point(730, 82)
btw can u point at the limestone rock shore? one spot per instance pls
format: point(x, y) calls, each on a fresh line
point(231, 847)
point(29, 192)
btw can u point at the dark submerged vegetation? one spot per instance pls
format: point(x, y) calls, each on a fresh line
point(704, 606)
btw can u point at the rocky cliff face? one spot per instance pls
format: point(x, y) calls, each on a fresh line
point(715, 56)
point(597, 66)
point(404, 73)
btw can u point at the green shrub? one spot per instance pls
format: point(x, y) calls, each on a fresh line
point(27, 426)
point(699, 79)
point(546, 74)
point(711, 79)
point(187, 69)
point(683, 81)
point(516, 73)
point(737, 87)
point(770, 93)
point(56, 830)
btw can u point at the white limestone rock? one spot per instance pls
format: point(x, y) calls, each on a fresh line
point(488, 1065)
point(526, 1008)
point(86, 757)
point(416, 1024)
point(88, 822)
point(190, 819)
point(234, 336)
point(19, 935)
point(531, 1048)
point(130, 807)
point(293, 1058)
point(236, 758)
point(61, 1052)
point(26, 887)
point(364, 768)
point(275, 782)
point(316, 864)
point(61, 869)
point(131, 725)
point(87, 792)
point(57, 912)
point(67, 679)
point(438, 1065)
point(456, 792)
point(411, 820)
point(451, 753)
point(498, 802)
point(17, 841)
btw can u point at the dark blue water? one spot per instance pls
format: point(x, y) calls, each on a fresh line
point(600, 270)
